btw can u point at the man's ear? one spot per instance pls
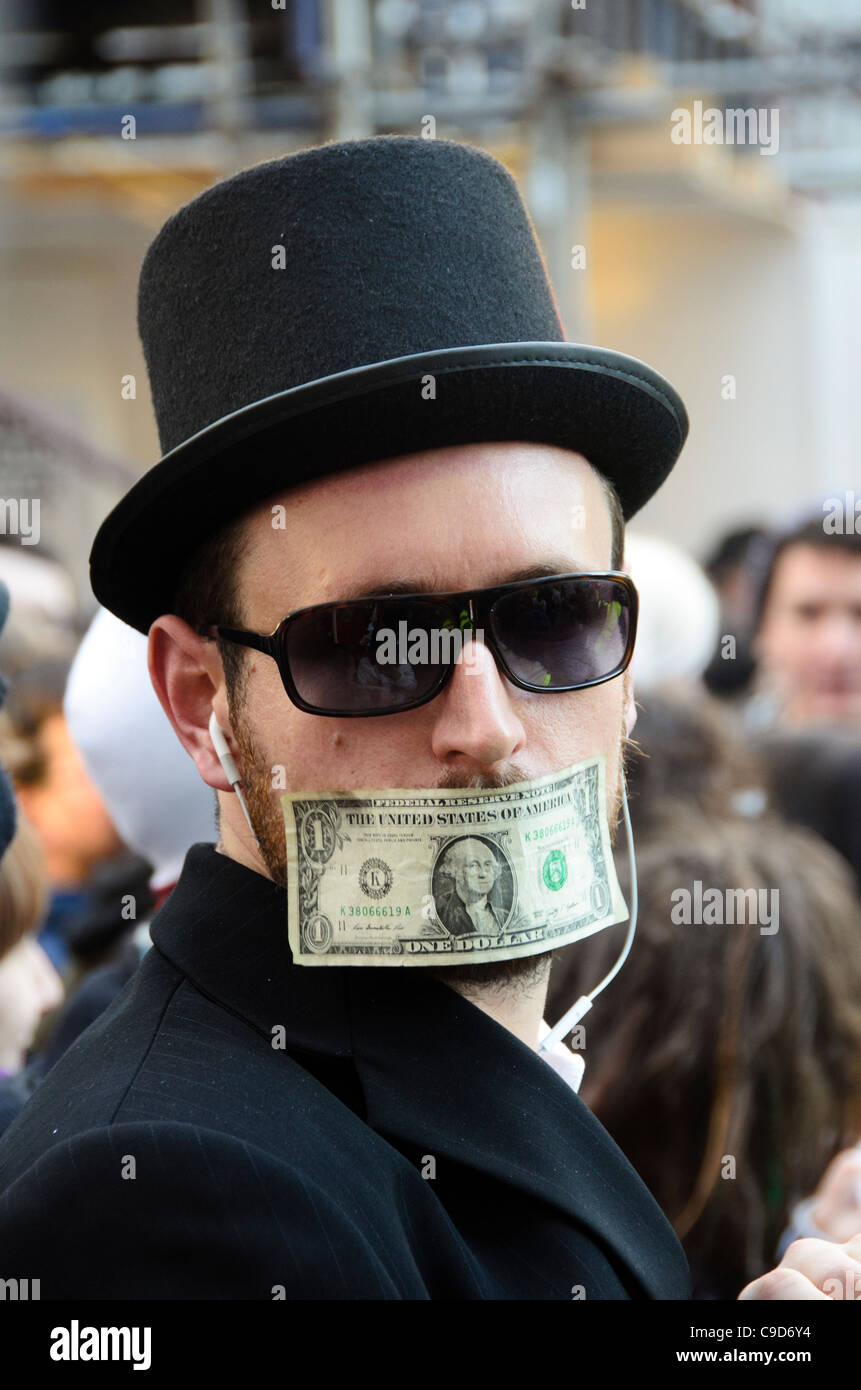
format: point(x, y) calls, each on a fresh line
point(188, 678)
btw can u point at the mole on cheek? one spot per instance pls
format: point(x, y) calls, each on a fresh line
point(337, 739)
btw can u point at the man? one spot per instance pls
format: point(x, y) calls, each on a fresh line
point(469, 904)
point(237, 1126)
point(808, 639)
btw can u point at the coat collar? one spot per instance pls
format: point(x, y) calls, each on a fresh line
point(500, 1108)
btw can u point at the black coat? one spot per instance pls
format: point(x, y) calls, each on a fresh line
point(312, 1132)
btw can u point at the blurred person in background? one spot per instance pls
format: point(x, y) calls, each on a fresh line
point(734, 567)
point(807, 643)
point(144, 778)
point(814, 778)
point(677, 626)
point(44, 625)
point(147, 786)
point(30, 987)
point(39, 643)
point(727, 1042)
point(75, 830)
point(833, 1212)
point(153, 795)
point(686, 750)
point(685, 745)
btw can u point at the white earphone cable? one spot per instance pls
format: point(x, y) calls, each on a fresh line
point(231, 772)
point(582, 1006)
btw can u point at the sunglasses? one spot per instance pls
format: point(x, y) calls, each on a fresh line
point(389, 654)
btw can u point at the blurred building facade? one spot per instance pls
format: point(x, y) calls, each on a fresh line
point(731, 267)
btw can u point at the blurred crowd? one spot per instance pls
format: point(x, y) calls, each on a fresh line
point(724, 1059)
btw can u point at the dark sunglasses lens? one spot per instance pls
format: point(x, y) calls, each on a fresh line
point(365, 655)
point(564, 632)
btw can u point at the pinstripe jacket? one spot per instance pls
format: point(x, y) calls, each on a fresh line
point(238, 1127)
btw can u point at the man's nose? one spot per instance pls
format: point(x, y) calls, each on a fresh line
point(838, 641)
point(476, 718)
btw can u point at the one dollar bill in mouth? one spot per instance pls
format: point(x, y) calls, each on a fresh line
point(425, 877)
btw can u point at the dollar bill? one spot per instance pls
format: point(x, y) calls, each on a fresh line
point(425, 877)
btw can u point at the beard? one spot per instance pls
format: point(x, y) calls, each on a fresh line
point(524, 973)
point(261, 798)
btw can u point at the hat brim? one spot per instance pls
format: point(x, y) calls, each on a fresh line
point(613, 409)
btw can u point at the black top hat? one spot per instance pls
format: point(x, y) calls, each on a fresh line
point(353, 302)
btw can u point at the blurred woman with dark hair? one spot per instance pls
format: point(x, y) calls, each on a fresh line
point(725, 1060)
point(814, 778)
point(687, 749)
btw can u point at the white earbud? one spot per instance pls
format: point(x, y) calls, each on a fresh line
point(225, 757)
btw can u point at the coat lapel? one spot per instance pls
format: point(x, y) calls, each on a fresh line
point(442, 1078)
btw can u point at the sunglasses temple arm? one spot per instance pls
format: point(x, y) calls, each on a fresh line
point(569, 1020)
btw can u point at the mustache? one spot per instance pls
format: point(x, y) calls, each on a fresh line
point(481, 781)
